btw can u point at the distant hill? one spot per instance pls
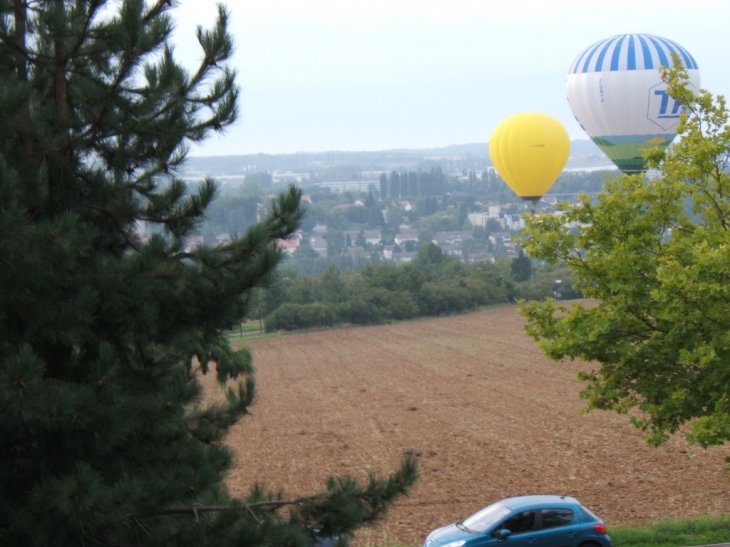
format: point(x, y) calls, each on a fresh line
point(584, 147)
point(454, 157)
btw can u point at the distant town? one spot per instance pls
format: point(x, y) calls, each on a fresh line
point(365, 207)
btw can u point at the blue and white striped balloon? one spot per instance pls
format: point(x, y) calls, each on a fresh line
point(617, 95)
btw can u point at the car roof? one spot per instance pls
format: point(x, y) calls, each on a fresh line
point(528, 501)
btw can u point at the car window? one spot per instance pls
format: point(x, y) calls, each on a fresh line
point(552, 518)
point(519, 523)
point(590, 513)
point(481, 520)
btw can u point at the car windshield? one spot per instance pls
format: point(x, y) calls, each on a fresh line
point(484, 519)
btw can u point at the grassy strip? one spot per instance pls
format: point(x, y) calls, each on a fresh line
point(234, 338)
point(252, 326)
point(674, 533)
point(251, 330)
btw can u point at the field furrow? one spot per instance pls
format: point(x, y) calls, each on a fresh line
point(485, 412)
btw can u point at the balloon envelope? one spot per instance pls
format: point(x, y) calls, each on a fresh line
point(618, 97)
point(529, 150)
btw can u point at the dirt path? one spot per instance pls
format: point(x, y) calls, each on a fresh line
point(488, 415)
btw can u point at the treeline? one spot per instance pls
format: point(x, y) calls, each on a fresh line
point(413, 184)
point(433, 284)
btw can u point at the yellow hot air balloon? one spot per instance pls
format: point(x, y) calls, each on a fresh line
point(529, 151)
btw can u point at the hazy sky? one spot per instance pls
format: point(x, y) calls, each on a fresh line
point(323, 75)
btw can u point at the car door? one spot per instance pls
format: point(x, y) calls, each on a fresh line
point(522, 527)
point(558, 528)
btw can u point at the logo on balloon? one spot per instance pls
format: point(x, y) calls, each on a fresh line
point(663, 110)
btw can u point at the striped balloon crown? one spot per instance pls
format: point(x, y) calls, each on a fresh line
point(630, 52)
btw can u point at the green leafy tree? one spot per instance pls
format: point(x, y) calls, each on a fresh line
point(390, 305)
point(360, 240)
point(105, 438)
point(429, 259)
point(338, 219)
point(232, 214)
point(301, 290)
point(257, 182)
point(394, 216)
point(463, 214)
point(654, 256)
point(521, 267)
point(383, 185)
point(493, 225)
point(427, 206)
point(336, 244)
point(500, 249)
point(332, 285)
point(395, 188)
point(375, 217)
point(357, 214)
point(425, 236)
point(307, 261)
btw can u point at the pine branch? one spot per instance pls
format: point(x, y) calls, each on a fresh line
point(343, 495)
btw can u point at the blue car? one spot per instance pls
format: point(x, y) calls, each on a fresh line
point(526, 521)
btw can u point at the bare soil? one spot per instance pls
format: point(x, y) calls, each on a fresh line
point(485, 412)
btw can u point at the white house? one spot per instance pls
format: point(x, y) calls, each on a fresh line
point(372, 237)
point(451, 238)
point(405, 234)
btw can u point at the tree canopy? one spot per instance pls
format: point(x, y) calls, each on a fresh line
point(654, 255)
point(109, 315)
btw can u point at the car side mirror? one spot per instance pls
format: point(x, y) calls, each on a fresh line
point(503, 534)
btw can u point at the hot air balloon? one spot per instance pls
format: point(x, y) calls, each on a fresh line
point(619, 99)
point(529, 150)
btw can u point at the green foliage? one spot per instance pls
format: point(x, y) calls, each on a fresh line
point(346, 503)
point(301, 316)
point(257, 183)
point(230, 214)
point(521, 267)
point(335, 242)
point(302, 290)
point(576, 182)
point(307, 261)
point(676, 533)
point(653, 254)
point(333, 287)
point(440, 299)
point(391, 305)
point(432, 284)
point(342, 171)
point(429, 258)
point(359, 312)
point(413, 185)
point(389, 292)
point(392, 277)
point(106, 436)
point(442, 221)
point(543, 285)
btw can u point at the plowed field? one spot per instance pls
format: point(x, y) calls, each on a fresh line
point(486, 413)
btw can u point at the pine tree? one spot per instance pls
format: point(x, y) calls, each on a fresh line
point(105, 438)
